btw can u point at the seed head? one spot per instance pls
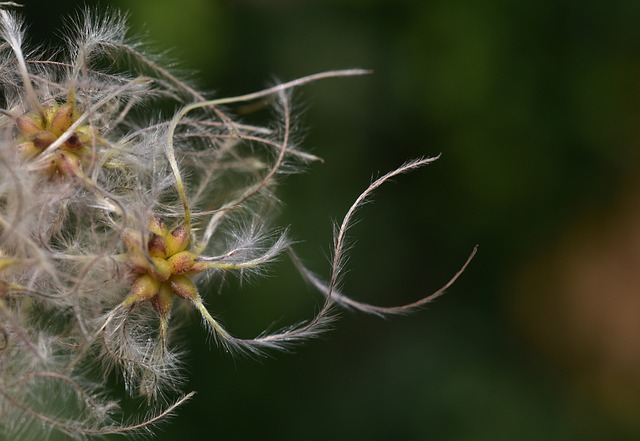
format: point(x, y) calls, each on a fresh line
point(108, 219)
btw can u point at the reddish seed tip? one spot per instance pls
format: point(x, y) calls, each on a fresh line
point(157, 246)
point(162, 301)
point(67, 163)
point(182, 262)
point(157, 226)
point(44, 139)
point(177, 240)
point(184, 287)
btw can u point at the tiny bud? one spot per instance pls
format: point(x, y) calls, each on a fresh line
point(184, 287)
point(143, 288)
point(177, 240)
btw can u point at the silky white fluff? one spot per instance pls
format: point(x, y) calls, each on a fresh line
point(110, 214)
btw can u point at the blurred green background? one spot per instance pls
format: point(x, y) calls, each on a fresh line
point(534, 106)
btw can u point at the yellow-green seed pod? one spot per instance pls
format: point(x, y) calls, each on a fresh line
point(157, 246)
point(163, 301)
point(42, 140)
point(197, 267)
point(62, 119)
point(182, 262)
point(158, 226)
point(177, 240)
point(138, 261)
point(68, 164)
point(184, 287)
point(48, 114)
point(87, 135)
point(30, 124)
point(161, 269)
point(90, 137)
point(28, 150)
point(143, 288)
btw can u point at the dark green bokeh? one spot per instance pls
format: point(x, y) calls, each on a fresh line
point(534, 107)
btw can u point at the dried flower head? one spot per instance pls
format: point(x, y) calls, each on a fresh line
point(110, 215)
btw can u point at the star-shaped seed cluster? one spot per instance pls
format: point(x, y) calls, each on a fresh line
point(161, 268)
point(39, 130)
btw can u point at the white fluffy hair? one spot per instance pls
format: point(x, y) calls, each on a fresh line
point(109, 212)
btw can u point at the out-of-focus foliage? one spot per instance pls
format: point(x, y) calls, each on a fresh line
point(535, 108)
